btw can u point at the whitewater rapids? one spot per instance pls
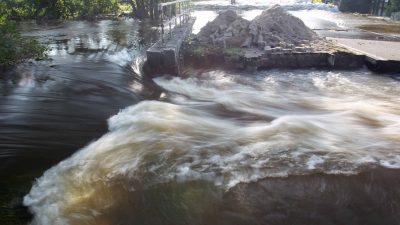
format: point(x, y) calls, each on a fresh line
point(211, 132)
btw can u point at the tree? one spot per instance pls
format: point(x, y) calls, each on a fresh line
point(145, 8)
point(394, 6)
point(57, 9)
point(360, 6)
point(14, 48)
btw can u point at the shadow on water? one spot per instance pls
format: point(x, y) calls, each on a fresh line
point(50, 109)
point(369, 198)
point(365, 199)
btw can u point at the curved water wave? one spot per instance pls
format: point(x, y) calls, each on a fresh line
point(217, 131)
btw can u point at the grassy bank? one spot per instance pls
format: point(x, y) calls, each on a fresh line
point(14, 48)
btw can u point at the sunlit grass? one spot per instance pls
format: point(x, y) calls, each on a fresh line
point(124, 7)
point(382, 28)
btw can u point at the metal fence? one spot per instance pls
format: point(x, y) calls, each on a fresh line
point(172, 14)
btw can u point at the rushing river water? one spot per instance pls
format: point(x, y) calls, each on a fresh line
point(50, 109)
point(271, 147)
point(174, 161)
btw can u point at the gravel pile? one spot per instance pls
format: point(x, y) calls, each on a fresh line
point(274, 27)
point(227, 29)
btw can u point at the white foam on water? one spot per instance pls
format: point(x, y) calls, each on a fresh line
point(122, 57)
point(226, 129)
point(314, 161)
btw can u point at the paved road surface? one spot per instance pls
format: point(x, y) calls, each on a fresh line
point(382, 50)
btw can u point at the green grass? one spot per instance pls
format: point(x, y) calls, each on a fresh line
point(382, 28)
point(124, 7)
point(232, 52)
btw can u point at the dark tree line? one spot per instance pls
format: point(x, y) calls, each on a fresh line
point(14, 48)
point(394, 6)
point(75, 9)
point(57, 9)
point(145, 8)
point(376, 7)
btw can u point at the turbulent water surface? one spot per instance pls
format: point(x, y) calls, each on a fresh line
point(50, 109)
point(177, 160)
point(273, 147)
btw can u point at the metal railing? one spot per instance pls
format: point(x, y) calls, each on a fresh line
point(171, 13)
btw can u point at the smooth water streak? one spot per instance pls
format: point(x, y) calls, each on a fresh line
point(224, 129)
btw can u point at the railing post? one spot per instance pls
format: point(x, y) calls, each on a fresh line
point(187, 11)
point(180, 14)
point(184, 12)
point(181, 9)
point(174, 5)
point(169, 22)
point(161, 9)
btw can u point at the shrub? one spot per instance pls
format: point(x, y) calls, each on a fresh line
point(394, 6)
point(360, 6)
point(232, 52)
point(14, 48)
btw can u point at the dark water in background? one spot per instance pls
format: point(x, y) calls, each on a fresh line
point(276, 147)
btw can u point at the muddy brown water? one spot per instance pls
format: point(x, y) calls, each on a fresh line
point(271, 147)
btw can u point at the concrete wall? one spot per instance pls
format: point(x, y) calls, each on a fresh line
point(338, 60)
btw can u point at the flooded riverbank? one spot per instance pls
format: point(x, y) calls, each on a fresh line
point(222, 147)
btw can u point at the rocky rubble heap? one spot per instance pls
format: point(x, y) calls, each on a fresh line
point(273, 28)
point(227, 29)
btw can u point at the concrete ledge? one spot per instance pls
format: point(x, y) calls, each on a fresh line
point(338, 60)
point(207, 56)
point(384, 66)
